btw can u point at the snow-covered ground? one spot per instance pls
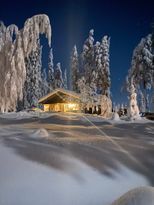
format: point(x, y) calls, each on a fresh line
point(138, 196)
point(24, 182)
point(72, 159)
point(71, 116)
point(24, 115)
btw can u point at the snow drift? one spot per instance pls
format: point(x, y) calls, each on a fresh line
point(138, 196)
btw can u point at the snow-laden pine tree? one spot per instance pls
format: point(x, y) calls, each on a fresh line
point(88, 57)
point(74, 68)
point(142, 102)
point(44, 83)
point(95, 61)
point(152, 102)
point(102, 75)
point(102, 68)
point(133, 110)
point(115, 115)
point(93, 97)
point(97, 70)
point(105, 46)
point(33, 83)
point(84, 92)
point(147, 103)
point(12, 67)
point(51, 78)
point(142, 67)
point(15, 46)
point(122, 109)
point(152, 99)
point(65, 79)
point(58, 77)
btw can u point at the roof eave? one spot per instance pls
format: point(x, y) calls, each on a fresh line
point(54, 92)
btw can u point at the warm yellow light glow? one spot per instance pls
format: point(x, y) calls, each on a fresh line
point(71, 105)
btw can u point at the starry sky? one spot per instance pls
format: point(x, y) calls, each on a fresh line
point(126, 22)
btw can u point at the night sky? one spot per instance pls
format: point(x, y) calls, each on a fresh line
point(126, 22)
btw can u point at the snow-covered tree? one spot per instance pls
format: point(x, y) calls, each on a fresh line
point(133, 110)
point(74, 68)
point(45, 89)
point(142, 67)
point(106, 106)
point(33, 83)
point(88, 56)
point(65, 79)
point(105, 45)
point(102, 66)
point(84, 92)
point(122, 111)
point(152, 26)
point(92, 90)
point(97, 70)
point(152, 99)
point(152, 102)
point(147, 103)
point(95, 62)
point(142, 102)
point(51, 78)
point(115, 115)
point(12, 67)
point(89, 67)
point(15, 47)
point(58, 77)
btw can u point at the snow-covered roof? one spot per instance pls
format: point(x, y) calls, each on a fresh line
point(57, 93)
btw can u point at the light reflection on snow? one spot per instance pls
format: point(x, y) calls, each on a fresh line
point(24, 182)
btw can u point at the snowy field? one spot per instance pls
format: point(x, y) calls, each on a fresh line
point(71, 159)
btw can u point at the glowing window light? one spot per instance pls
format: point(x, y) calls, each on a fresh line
point(71, 106)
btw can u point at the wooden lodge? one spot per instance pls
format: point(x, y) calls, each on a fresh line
point(61, 100)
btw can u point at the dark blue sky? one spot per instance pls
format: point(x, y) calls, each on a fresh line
point(126, 22)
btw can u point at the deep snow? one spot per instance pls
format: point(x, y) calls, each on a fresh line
point(51, 158)
point(24, 182)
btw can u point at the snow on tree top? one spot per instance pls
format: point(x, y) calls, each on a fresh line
point(11, 29)
point(38, 24)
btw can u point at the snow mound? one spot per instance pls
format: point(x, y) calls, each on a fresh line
point(138, 196)
point(115, 116)
point(41, 133)
point(20, 115)
point(15, 115)
point(135, 118)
